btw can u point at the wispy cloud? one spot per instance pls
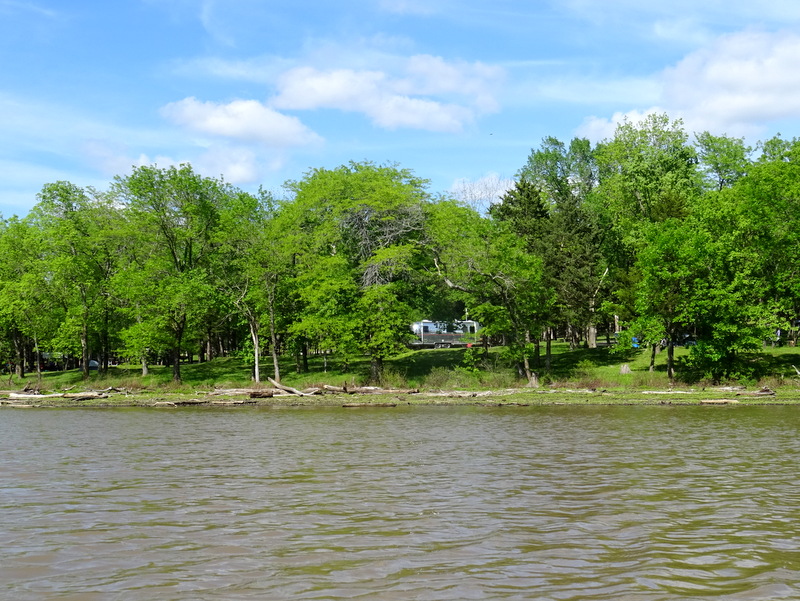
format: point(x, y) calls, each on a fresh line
point(21, 6)
point(408, 7)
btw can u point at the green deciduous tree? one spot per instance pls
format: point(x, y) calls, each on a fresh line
point(503, 282)
point(82, 249)
point(173, 215)
point(358, 231)
point(723, 160)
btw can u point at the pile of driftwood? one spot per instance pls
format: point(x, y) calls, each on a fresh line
point(74, 396)
point(279, 389)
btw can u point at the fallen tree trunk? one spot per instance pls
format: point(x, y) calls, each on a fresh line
point(85, 396)
point(232, 391)
point(368, 390)
point(762, 392)
point(294, 391)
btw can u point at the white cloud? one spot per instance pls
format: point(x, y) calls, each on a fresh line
point(739, 83)
point(245, 120)
point(428, 93)
point(393, 112)
point(428, 74)
point(239, 165)
point(307, 88)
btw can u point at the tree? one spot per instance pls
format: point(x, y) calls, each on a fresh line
point(648, 172)
point(723, 160)
point(82, 252)
point(173, 215)
point(358, 233)
point(28, 314)
point(257, 269)
point(502, 281)
point(672, 267)
point(553, 191)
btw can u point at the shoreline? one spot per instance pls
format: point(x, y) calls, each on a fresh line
point(518, 397)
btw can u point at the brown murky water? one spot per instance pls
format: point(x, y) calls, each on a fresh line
point(562, 503)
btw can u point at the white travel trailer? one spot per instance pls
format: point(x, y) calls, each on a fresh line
point(444, 334)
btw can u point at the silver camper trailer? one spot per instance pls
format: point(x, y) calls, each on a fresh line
point(444, 334)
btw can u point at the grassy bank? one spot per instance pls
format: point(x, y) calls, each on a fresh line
point(586, 376)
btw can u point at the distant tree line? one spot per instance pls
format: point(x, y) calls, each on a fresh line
point(650, 234)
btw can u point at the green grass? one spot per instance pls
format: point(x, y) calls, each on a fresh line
point(440, 369)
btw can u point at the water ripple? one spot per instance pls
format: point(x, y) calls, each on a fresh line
point(642, 504)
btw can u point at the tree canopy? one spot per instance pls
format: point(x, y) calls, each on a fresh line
point(652, 234)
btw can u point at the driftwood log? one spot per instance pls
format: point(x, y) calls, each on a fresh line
point(74, 396)
point(280, 386)
point(241, 391)
point(368, 390)
point(85, 396)
point(763, 392)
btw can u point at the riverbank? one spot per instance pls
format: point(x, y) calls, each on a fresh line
point(424, 377)
point(383, 398)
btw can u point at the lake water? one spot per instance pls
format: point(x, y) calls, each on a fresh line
point(409, 503)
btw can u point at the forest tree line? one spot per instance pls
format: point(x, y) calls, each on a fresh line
point(653, 234)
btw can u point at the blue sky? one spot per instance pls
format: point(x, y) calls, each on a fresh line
point(259, 92)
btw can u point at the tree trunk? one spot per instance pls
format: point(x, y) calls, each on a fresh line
point(548, 355)
point(591, 331)
point(376, 368)
point(670, 360)
point(105, 350)
point(273, 337)
point(533, 378)
point(653, 348)
point(85, 350)
point(256, 350)
point(19, 354)
point(180, 328)
point(176, 363)
point(38, 360)
point(145, 369)
point(29, 356)
point(591, 335)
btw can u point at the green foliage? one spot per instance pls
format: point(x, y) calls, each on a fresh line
point(723, 160)
point(668, 238)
